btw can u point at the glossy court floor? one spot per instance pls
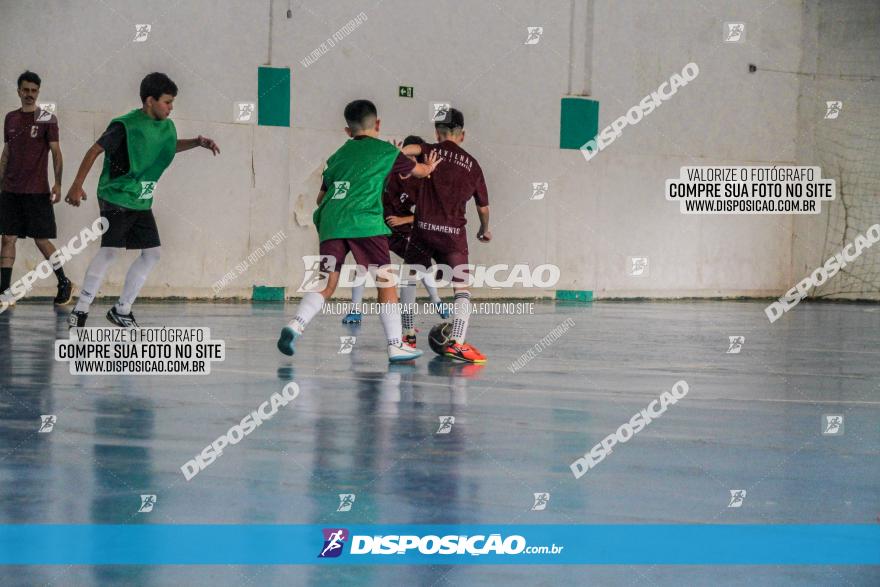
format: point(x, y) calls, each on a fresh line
point(751, 421)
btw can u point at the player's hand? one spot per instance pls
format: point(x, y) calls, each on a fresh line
point(393, 221)
point(433, 161)
point(207, 143)
point(484, 235)
point(74, 195)
point(55, 196)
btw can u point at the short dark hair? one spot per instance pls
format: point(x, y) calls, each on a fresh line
point(454, 120)
point(358, 113)
point(29, 76)
point(156, 84)
point(413, 140)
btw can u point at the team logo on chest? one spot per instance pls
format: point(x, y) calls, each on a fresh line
point(147, 188)
point(340, 189)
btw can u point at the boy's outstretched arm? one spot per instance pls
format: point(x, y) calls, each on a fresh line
point(425, 169)
point(75, 194)
point(484, 234)
point(200, 141)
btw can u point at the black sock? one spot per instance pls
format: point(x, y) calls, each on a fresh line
point(5, 278)
point(59, 273)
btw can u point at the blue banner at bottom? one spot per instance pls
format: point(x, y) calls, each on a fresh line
point(647, 544)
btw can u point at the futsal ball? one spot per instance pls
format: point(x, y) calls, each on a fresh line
point(439, 337)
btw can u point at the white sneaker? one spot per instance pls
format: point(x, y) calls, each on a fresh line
point(402, 352)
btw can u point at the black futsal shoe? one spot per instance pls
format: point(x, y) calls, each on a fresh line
point(121, 320)
point(77, 319)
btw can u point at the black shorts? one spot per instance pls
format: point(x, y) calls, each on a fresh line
point(420, 252)
point(129, 229)
point(397, 244)
point(27, 215)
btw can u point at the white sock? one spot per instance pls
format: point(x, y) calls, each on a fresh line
point(136, 277)
point(407, 297)
point(462, 313)
point(357, 297)
point(432, 291)
point(389, 314)
point(308, 308)
point(94, 277)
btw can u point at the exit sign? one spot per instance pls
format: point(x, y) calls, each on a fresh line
point(405, 92)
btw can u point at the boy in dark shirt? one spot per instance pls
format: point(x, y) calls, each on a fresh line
point(439, 229)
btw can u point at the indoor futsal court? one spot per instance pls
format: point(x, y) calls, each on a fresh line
point(440, 293)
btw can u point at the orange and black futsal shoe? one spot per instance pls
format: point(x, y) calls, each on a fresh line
point(462, 351)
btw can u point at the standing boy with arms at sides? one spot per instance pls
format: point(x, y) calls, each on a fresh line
point(398, 201)
point(439, 229)
point(137, 148)
point(350, 218)
point(26, 201)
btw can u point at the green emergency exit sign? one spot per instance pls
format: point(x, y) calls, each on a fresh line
point(405, 92)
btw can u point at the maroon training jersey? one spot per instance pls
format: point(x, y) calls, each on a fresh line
point(28, 142)
point(399, 199)
point(442, 202)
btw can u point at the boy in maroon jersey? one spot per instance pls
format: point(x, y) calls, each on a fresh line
point(26, 201)
point(439, 228)
point(398, 200)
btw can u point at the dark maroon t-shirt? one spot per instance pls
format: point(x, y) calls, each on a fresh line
point(441, 202)
point(399, 199)
point(28, 141)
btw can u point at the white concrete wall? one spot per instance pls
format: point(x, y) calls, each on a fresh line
point(842, 47)
point(213, 212)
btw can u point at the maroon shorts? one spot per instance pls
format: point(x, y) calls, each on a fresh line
point(420, 252)
point(370, 250)
point(397, 243)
